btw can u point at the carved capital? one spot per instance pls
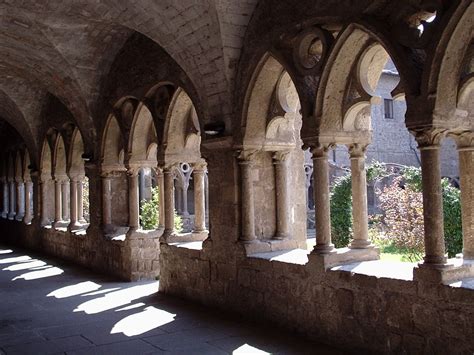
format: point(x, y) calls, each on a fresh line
point(464, 140)
point(357, 150)
point(429, 138)
point(280, 156)
point(321, 150)
point(200, 166)
point(246, 157)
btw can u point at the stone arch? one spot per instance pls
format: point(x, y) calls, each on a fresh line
point(182, 132)
point(75, 161)
point(59, 158)
point(143, 138)
point(447, 64)
point(112, 144)
point(46, 161)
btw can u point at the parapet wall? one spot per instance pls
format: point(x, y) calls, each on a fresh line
point(340, 308)
point(133, 258)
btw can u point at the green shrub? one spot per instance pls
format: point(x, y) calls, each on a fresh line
point(149, 213)
point(341, 204)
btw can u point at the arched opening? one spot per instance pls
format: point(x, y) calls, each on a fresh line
point(79, 184)
point(46, 185)
point(28, 188)
point(274, 202)
point(184, 171)
point(142, 170)
point(114, 180)
point(61, 185)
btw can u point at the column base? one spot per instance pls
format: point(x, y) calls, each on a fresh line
point(280, 236)
point(4, 215)
point(74, 226)
point(11, 216)
point(324, 249)
point(361, 244)
point(19, 217)
point(343, 256)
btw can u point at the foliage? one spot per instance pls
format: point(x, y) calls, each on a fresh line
point(341, 211)
point(403, 217)
point(452, 219)
point(341, 204)
point(85, 199)
point(149, 213)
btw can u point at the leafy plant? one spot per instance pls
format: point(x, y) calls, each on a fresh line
point(149, 213)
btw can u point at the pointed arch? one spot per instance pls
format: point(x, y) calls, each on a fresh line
point(59, 158)
point(112, 144)
point(46, 162)
point(182, 132)
point(76, 164)
point(142, 137)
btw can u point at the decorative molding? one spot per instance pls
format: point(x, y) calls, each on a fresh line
point(357, 150)
point(321, 150)
point(429, 138)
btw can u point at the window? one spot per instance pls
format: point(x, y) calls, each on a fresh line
point(388, 107)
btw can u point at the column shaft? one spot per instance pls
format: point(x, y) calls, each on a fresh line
point(57, 201)
point(161, 205)
point(169, 200)
point(5, 200)
point(28, 199)
point(80, 200)
point(12, 212)
point(20, 201)
point(280, 163)
point(248, 206)
point(134, 203)
point(65, 199)
point(199, 200)
point(359, 198)
point(322, 201)
point(432, 205)
point(466, 169)
point(106, 200)
point(73, 203)
point(44, 203)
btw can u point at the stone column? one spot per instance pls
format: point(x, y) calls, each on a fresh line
point(280, 162)
point(28, 197)
point(44, 218)
point(466, 172)
point(359, 197)
point(80, 200)
point(57, 201)
point(65, 199)
point(161, 205)
point(20, 200)
point(73, 203)
point(248, 206)
point(5, 199)
point(429, 145)
point(322, 200)
point(133, 201)
point(199, 197)
point(169, 200)
point(106, 199)
point(12, 210)
point(206, 186)
point(184, 198)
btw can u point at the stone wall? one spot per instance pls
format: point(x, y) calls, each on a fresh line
point(341, 308)
point(133, 258)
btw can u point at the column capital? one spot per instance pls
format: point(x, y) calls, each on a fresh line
point(280, 156)
point(464, 140)
point(357, 150)
point(321, 150)
point(246, 157)
point(133, 171)
point(199, 166)
point(429, 138)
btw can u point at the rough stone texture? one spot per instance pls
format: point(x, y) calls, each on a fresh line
point(352, 310)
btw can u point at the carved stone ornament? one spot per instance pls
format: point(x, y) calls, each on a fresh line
point(429, 138)
point(357, 150)
point(321, 150)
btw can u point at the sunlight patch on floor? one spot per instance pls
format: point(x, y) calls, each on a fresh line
point(75, 290)
point(6, 251)
point(25, 265)
point(18, 259)
point(133, 306)
point(117, 298)
point(150, 318)
point(33, 275)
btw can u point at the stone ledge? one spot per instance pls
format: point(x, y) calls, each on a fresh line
point(456, 269)
point(380, 269)
point(294, 256)
point(266, 246)
point(344, 256)
point(184, 237)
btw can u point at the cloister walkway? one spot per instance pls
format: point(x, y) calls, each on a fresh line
point(49, 306)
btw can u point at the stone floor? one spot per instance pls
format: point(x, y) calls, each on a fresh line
point(49, 306)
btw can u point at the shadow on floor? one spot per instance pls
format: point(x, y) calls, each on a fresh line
point(50, 306)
